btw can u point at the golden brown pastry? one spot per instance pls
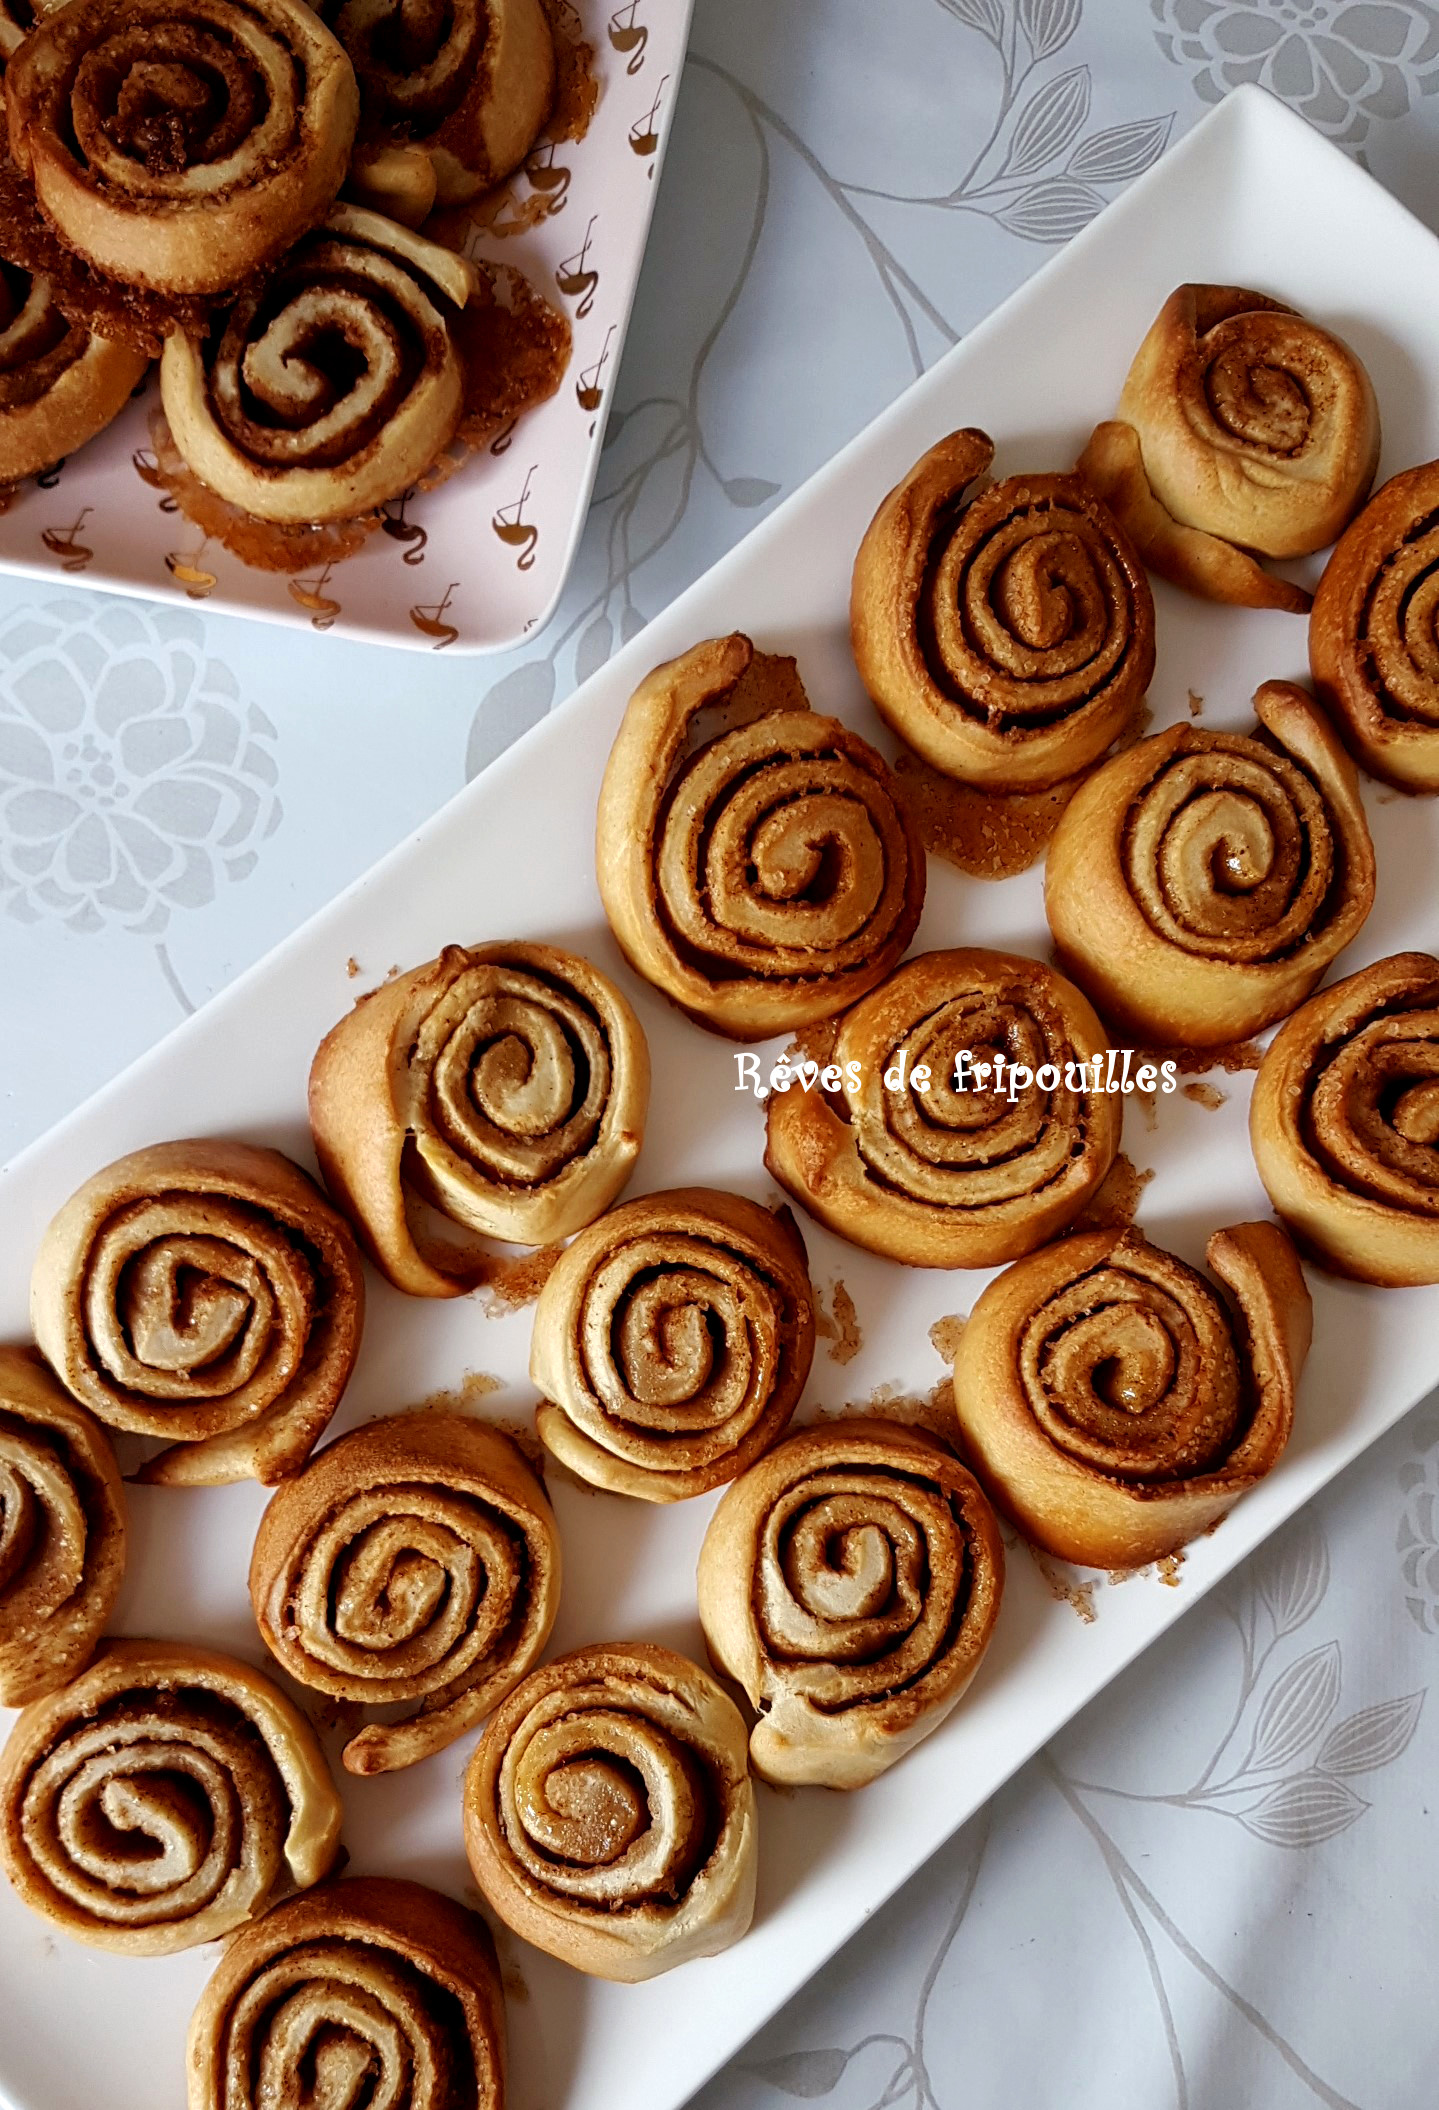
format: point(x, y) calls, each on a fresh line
point(334, 384)
point(1005, 630)
point(752, 858)
point(414, 1564)
point(498, 1091)
point(609, 1814)
point(452, 95)
point(162, 1799)
point(62, 1531)
point(672, 1342)
point(1373, 639)
point(938, 1174)
point(373, 1992)
point(1199, 885)
point(205, 1292)
point(1115, 1404)
point(1344, 1122)
point(850, 1582)
point(182, 144)
point(59, 386)
point(1242, 426)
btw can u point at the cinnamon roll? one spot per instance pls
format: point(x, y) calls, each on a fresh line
point(452, 96)
point(672, 1342)
point(921, 1145)
point(609, 1814)
point(207, 1293)
point(1373, 637)
point(753, 860)
point(374, 1991)
point(182, 144)
point(499, 1090)
point(414, 1564)
point(59, 386)
point(1242, 427)
point(850, 1582)
point(1344, 1122)
point(162, 1799)
point(1005, 630)
point(62, 1531)
point(1115, 1404)
point(1199, 885)
point(334, 384)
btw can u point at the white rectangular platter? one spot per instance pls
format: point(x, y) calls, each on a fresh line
point(479, 564)
point(1251, 197)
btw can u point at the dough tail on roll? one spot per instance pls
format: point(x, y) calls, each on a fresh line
point(1004, 630)
point(1115, 1404)
point(163, 1799)
point(850, 1581)
point(206, 1293)
point(373, 1990)
point(414, 1564)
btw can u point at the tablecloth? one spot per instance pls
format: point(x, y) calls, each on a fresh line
point(1217, 1888)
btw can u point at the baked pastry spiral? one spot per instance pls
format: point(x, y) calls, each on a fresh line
point(182, 144)
point(452, 93)
point(1115, 1404)
point(503, 1085)
point(850, 1582)
point(1373, 635)
point(1242, 426)
point(672, 1342)
point(62, 1531)
point(944, 1175)
point(753, 861)
point(162, 1799)
point(415, 1563)
point(205, 1292)
point(1006, 632)
point(59, 386)
point(1344, 1122)
point(374, 1991)
point(609, 1814)
point(1199, 885)
point(334, 384)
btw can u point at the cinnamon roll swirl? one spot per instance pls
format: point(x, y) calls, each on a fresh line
point(182, 144)
point(921, 1144)
point(1374, 636)
point(753, 860)
point(1115, 1404)
point(62, 1531)
point(609, 1814)
point(499, 1090)
point(1344, 1122)
point(1199, 885)
point(1005, 630)
point(415, 1564)
point(373, 1992)
point(59, 386)
point(334, 384)
point(162, 1799)
point(1242, 427)
point(672, 1342)
point(850, 1582)
point(204, 1292)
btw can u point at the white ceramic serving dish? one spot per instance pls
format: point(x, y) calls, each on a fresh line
point(478, 565)
point(1250, 197)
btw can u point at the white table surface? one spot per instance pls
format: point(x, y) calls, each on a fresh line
point(1217, 1888)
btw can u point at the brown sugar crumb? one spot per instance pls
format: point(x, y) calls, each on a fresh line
point(1168, 1569)
point(932, 1410)
point(344, 1717)
point(840, 1325)
point(1116, 1204)
point(945, 1335)
point(1196, 705)
point(512, 1284)
point(1206, 1095)
point(474, 1386)
point(1064, 1587)
point(391, 972)
point(352, 967)
point(988, 834)
point(1194, 1062)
